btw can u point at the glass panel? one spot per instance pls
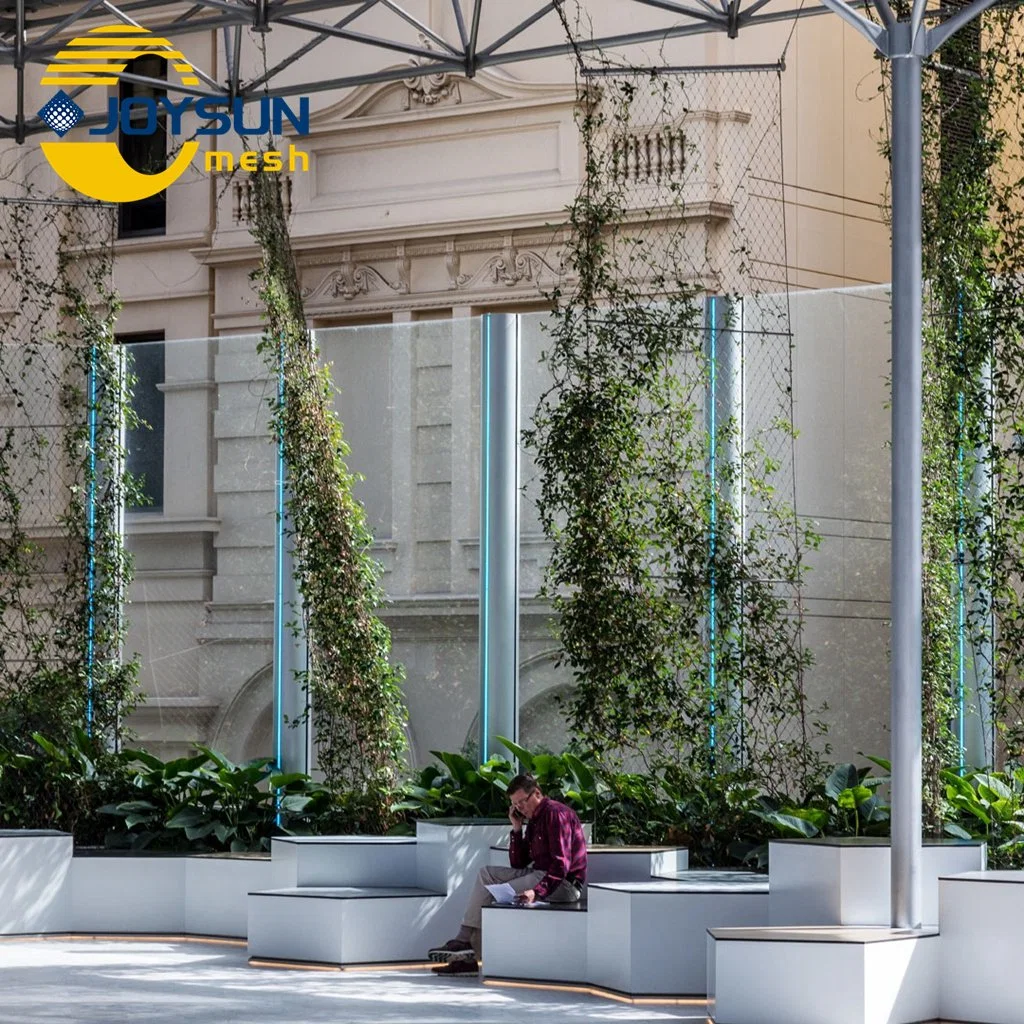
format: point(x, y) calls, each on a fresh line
point(201, 605)
point(144, 442)
point(409, 400)
point(541, 722)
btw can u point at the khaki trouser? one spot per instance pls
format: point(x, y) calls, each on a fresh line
point(520, 879)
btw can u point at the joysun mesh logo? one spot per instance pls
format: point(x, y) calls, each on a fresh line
point(96, 168)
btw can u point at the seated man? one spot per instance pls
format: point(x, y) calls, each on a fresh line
point(548, 864)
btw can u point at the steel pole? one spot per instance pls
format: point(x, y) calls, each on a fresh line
point(906, 490)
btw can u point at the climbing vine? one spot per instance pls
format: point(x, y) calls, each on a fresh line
point(64, 569)
point(676, 561)
point(356, 698)
point(973, 482)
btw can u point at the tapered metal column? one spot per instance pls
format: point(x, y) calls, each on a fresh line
point(723, 333)
point(906, 485)
point(499, 531)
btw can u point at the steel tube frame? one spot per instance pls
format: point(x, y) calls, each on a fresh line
point(906, 565)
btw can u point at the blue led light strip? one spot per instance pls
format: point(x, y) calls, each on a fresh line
point(713, 538)
point(90, 549)
point(485, 551)
point(961, 602)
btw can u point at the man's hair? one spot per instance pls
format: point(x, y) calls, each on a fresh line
point(524, 783)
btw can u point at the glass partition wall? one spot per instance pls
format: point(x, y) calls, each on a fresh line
point(208, 616)
point(420, 433)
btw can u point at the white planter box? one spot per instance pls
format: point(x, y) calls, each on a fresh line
point(982, 946)
point(217, 891)
point(822, 976)
point(845, 882)
point(131, 894)
point(34, 869)
point(164, 895)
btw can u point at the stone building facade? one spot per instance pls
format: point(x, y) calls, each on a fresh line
point(426, 203)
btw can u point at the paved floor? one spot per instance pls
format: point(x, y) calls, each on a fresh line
point(107, 982)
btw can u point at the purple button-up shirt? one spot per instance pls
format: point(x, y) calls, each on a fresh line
point(553, 843)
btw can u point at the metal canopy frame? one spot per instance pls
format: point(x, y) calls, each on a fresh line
point(33, 32)
point(34, 36)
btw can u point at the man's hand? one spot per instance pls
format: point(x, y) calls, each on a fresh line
point(526, 897)
point(516, 822)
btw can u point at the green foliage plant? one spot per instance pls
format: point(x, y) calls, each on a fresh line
point(356, 698)
point(987, 805)
point(455, 787)
point(207, 803)
point(60, 784)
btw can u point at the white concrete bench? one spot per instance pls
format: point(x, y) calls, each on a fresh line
point(823, 975)
point(649, 938)
point(845, 881)
point(543, 943)
point(637, 938)
point(982, 946)
point(340, 925)
point(171, 894)
point(376, 899)
point(343, 861)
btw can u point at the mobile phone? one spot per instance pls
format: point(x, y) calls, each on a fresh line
point(518, 814)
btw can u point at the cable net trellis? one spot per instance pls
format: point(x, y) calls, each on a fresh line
point(62, 565)
point(676, 288)
point(974, 366)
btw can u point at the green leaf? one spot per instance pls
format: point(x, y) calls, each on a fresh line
point(458, 767)
point(582, 774)
point(789, 824)
point(956, 831)
point(996, 788)
point(521, 754)
point(844, 776)
point(187, 817)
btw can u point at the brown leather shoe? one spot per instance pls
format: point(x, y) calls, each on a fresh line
point(465, 967)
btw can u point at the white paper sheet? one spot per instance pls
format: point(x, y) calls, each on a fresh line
point(502, 892)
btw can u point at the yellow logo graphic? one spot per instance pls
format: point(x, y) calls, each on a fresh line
point(98, 169)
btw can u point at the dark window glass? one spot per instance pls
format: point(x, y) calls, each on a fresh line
point(145, 442)
point(145, 153)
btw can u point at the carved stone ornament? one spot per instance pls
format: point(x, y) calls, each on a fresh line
point(429, 90)
point(349, 279)
point(511, 267)
point(452, 262)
